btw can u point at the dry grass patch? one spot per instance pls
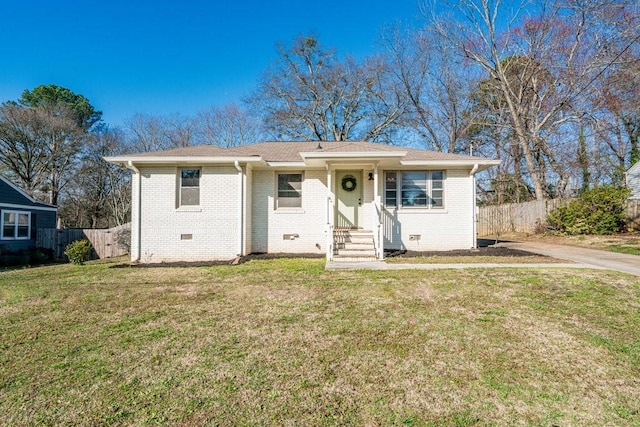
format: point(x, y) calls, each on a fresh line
point(284, 342)
point(627, 243)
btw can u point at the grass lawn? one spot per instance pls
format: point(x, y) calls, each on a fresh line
point(284, 342)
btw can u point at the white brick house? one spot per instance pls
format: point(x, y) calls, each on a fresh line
point(341, 199)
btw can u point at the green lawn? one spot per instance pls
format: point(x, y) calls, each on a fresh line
point(284, 342)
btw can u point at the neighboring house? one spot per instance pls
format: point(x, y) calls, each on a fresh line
point(633, 180)
point(349, 200)
point(20, 217)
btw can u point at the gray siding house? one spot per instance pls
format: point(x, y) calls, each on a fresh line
point(20, 217)
point(633, 181)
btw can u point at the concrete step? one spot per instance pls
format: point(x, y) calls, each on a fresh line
point(354, 245)
point(358, 245)
point(348, 258)
point(355, 239)
point(357, 252)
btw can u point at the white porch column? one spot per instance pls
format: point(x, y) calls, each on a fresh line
point(329, 226)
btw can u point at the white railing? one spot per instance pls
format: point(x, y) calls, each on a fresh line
point(329, 229)
point(380, 231)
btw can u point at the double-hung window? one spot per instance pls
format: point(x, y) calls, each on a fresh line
point(289, 190)
point(16, 225)
point(414, 189)
point(189, 187)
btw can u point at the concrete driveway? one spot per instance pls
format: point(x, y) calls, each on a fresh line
point(593, 257)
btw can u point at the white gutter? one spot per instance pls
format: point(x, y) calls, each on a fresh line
point(136, 171)
point(159, 160)
point(485, 163)
point(474, 243)
point(240, 209)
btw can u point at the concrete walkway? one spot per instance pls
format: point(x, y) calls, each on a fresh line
point(381, 265)
point(578, 257)
point(592, 257)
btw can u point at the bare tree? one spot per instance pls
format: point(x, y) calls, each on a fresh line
point(311, 94)
point(539, 64)
point(437, 85)
point(23, 152)
point(153, 133)
point(227, 126)
point(100, 195)
point(39, 146)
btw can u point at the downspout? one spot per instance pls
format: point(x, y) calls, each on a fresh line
point(240, 209)
point(474, 243)
point(378, 208)
point(136, 171)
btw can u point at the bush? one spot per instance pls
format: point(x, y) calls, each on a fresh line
point(41, 256)
point(124, 239)
point(600, 210)
point(78, 251)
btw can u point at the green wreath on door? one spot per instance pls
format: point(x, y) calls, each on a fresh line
point(349, 183)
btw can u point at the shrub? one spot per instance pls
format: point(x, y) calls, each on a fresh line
point(600, 210)
point(124, 239)
point(41, 255)
point(78, 251)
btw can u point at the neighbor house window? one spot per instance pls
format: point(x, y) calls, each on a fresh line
point(289, 190)
point(189, 187)
point(16, 225)
point(420, 189)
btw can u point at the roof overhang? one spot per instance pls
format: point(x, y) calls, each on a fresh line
point(323, 158)
point(482, 164)
point(183, 160)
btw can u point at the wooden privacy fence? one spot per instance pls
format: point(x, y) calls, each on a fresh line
point(515, 217)
point(527, 217)
point(105, 242)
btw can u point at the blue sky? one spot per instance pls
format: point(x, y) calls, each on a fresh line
point(180, 56)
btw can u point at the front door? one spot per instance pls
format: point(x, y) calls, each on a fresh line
point(349, 194)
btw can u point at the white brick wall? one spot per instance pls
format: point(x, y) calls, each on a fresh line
point(439, 229)
point(309, 222)
point(213, 225)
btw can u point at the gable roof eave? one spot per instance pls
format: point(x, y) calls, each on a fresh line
point(35, 203)
point(182, 160)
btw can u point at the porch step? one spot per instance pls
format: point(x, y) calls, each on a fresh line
point(353, 245)
point(342, 258)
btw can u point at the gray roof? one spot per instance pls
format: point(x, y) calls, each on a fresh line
point(290, 151)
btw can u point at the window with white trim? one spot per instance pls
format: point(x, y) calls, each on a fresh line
point(414, 189)
point(16, 225)
point(289, 190)
point(189, 187)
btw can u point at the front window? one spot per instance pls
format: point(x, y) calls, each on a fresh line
point(16, 225)
point(189, 187)
point(289, 190)
point(420, 189)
